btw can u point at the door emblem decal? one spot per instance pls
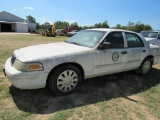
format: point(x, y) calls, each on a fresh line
point(115, 56)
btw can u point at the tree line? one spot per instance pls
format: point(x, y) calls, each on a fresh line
point(136, 27)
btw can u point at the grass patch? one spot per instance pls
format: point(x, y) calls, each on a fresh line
point(3, 57)
point(62, 115)
point(152, 100)
point(140, 115)
point(11, 114)
point(4, 91)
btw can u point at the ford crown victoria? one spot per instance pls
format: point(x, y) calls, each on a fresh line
point(90, 53)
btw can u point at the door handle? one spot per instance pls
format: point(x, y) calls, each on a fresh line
point(143, 50)
point(125, 52)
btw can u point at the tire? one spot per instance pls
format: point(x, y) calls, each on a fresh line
point(54, 35)
point(145, 67)
point(65, 80)
point(45, 34)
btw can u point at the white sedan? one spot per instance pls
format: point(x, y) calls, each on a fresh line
point(153, 37)
point(69, 34)
point(89, 53)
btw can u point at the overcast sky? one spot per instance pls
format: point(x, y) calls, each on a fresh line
point(87, 12)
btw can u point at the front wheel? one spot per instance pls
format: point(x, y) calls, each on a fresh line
point(65, 80)
point(145, 67)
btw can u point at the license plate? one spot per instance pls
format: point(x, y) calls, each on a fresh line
point(4, 71)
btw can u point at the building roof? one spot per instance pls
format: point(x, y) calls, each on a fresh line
point(8, 17)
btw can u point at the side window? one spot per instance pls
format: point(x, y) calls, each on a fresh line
point(159, 36)
point(134, 40)
point(116, 39)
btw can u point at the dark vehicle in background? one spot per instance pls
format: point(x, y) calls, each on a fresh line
point(153, 37)
point(65, 30)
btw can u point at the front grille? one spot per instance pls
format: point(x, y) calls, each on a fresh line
point(13, 58)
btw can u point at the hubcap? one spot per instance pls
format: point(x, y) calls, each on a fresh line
point(67, 81)
point(146, 67)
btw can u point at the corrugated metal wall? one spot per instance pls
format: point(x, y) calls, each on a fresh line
point(21, 28)
point(31, 27)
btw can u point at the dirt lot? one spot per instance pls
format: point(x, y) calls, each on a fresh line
point(124, 96)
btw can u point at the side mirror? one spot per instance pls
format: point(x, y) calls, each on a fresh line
point(104, 45)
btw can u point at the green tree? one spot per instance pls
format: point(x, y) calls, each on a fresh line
point(85, 27)
point(98, 25)
point(139, 27)
point(31, 19)
point(147, 27)
point(105, 24)
point(37, 25)
point(101, 25)
point(61, 25)
point(130, 26)
point(75, 25)
point(136, 27)
point(118, 26)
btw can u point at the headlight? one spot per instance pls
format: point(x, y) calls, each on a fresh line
point(27, 67)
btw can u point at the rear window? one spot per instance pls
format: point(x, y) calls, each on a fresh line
point(134, 40)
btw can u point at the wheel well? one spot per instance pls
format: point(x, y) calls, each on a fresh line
point(64, 64)
point(151, 58)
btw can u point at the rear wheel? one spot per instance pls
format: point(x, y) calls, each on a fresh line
point(145, 67)
point(65, 80)
point(54, 35)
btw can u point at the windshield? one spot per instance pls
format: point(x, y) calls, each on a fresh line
point(149, 34)
point(88, 38)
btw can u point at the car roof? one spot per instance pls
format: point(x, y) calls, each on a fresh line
point(110, 30)
point(151, 31)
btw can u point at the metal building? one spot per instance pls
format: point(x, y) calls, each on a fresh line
point(12, 23)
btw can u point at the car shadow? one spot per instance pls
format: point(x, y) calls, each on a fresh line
point(42, 101)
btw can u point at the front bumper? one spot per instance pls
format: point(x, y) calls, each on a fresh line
point(25, 80)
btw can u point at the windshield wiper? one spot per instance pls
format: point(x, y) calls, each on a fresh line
point(74, 43)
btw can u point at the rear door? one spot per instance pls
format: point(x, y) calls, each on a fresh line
point(136, 50)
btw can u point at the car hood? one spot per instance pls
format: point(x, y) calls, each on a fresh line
point(149, 39)
point(44, 51)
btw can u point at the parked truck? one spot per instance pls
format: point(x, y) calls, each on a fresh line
point(65, 30)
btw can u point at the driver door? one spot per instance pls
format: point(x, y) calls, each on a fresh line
point(113, 59)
